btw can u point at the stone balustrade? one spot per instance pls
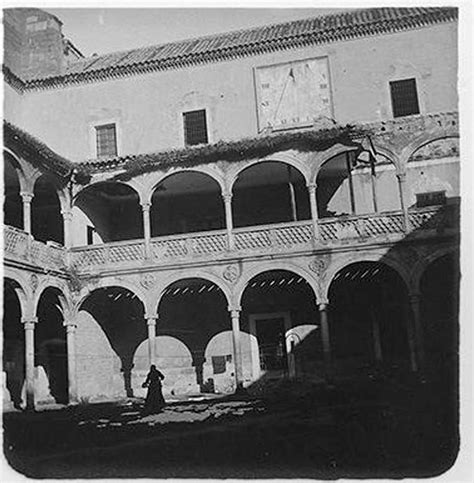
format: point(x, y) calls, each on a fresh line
point(275, 238)
point(22, 247)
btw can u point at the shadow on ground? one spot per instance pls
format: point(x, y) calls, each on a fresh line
point(378, 428)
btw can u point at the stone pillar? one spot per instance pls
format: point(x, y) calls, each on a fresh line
point(151, 323)
point(235, 318)
point(26, 198)
point(323, 318)
point(314, 210)
point(376, 335)
point(29, 327)
point(411, 338)
point(416, 314)
point(71, 361)
point(146, 229)
point(67, 224)
point(229, 223)
point(401, 177)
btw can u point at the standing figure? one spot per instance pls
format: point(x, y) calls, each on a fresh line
point(154, 401)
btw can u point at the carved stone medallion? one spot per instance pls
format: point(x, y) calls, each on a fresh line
point(147, 280)
point(231, 273)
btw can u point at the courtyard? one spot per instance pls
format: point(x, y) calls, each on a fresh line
point(385, 427)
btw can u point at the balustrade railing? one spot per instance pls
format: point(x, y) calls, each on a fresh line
point(214, 244)
point(21, 246)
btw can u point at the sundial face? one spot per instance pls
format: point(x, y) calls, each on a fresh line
point(293, 94)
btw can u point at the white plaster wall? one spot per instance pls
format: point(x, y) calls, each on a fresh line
point(148, 108)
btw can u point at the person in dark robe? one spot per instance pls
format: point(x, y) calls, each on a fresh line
point(154, 402)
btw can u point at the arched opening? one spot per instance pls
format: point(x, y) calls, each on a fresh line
point(50, 349)
point(108, 212)
point(439, 310)
point(368, 320)
point(193, 311)
point(335, 190)
point(269, 192)
point(279, 312)
point(46, 218)
point(432, 176)
point(13, 205)
point(439, 307)
point(186, 202)
point(110, 329)
point(13, 345)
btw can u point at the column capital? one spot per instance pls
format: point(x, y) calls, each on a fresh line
point(29, 322)
point(401, 176)
point(151, 319)
point(67, 214)
point(312, 187)
point(146, 205)
point(414, 297)
point(70, 327)
point(227, 197)
point(234, 310)
point(26, 196)
point(323, 305)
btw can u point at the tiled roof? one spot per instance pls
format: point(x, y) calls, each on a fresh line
point(300, 33)
point(35, 150)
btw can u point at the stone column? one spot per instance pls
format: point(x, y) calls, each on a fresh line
point(376, 335)
point(71, 361)
point(314, 210)
point(411, 338)
point(29, 327)
point(26, 198)
point(415, 312)
point(401, 178)
point(229, 223)
point(151, 323)
point(146, 229)
point(235, 318)
point(67, 224)
point(323, 318)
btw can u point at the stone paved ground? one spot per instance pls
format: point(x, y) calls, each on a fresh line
point(379, 429)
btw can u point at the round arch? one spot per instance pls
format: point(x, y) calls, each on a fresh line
point(422, 265)
point(24, 294)
point(155, 296)
point(94, 184)
point(104, 284)
point(343, 262)
point(17, 164)
point(268, 267)
point(423, 140)
point(285, 158)
point(63, 295)
point(323, 157)
point(201, 170)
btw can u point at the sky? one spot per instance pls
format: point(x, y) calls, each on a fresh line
point(103, 30)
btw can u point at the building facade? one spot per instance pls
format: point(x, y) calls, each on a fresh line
point(278, 202)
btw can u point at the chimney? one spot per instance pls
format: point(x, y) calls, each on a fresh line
point(34, 46)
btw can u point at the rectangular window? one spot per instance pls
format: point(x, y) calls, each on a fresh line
point(431, 199)
point(90, 235)
point(404, 98)
point(106, 140)
point(195, 127)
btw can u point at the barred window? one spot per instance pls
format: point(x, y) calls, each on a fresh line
point(106, 140)
point(404, 98)
point(430, 199)
point(195, 127)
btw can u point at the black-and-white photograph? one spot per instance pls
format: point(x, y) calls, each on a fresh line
point(231, 241)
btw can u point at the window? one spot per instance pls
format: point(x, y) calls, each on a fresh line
point(90, 235)
point(404, 98)
point(431, 199)
point(106, 140)
point(195, 127)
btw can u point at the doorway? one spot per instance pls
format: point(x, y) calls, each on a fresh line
point(270, 354)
